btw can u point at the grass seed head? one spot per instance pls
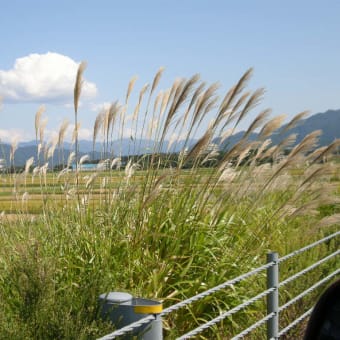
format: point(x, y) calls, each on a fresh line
point(78, 85)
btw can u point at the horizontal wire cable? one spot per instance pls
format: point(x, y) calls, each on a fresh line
point(129, 328)
point(301, 250)
point(309, 290)
point(295, 322)
point(215, 289)
point(225, 315)
point(302, 272)
point(253, 327)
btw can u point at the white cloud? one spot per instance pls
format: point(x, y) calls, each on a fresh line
point(43, 77)
point(10, 134)
point(83, 133)
point(97, 107)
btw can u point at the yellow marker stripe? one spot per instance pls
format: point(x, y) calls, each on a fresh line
point(154, 309)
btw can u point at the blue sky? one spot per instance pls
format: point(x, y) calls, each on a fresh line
point(292, 45)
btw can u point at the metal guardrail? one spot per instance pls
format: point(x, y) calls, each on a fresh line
point(271, 294)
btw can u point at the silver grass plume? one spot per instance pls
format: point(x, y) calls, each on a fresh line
point(38, 115)
point(130, 88)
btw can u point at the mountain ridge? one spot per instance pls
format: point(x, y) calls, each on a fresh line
point(328, 122)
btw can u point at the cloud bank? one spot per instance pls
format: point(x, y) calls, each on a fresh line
point(40, 78)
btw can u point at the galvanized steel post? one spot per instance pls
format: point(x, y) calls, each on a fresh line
point(273, 297)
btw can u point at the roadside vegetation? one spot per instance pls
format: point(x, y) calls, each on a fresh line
point(160, 225)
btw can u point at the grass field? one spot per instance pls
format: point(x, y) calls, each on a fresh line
point(163, 232)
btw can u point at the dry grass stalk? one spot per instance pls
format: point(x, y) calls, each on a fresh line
point(294, 121)
point(271, 126)
point(225, 135)
point(316, 153)
point(331, 147)
point(282, 145)
point(74, 139)
point(109, 120)
point(174, 88)
point(77, 91)
point(70, 159)
point(156, 80)
point(200, 145)
point(53, 143)
point(234, 151)
point(156, 189)
point(315, 174)
point(14, 147)
point(269, 152)
point(141, 95)
point(330, 220)
point(62, 131)
point(252, 102)
point(257, 122)
point(25, 197)
point(180, 95)
point(78, 85)
point(42, 127)
point(103, 165)
point(234, 92)
point(284, 165)
point(311, 206)
point(116, 163)
point(28, 164)
point(130, 170)
point(193, 100)
point(38, 115)
point(91, 179)
point(165, 101)
point(244, 153)
point(97, 126)
point(308, 143)
point(212, 154)
point(291, 139)
point(202, 102)
point(84, 159)
point(227, 175)
point(157, 102)
point(130, 88)
point(260, 150)
point(240, 102)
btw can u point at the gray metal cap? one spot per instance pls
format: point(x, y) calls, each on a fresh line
point(116, 297)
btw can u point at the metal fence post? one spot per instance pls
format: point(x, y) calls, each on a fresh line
point(273, 297)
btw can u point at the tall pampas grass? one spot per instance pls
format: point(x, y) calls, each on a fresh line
point(13, 149)
point(77, 91)
point(38, 115)
point(61, 137)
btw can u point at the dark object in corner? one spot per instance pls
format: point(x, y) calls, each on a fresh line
point(324, 323)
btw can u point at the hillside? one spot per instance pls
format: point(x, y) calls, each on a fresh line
point(328, 122)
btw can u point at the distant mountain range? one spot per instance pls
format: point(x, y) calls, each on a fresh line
point(125, 147)
point(328, 122)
